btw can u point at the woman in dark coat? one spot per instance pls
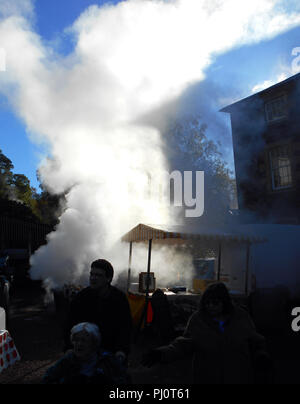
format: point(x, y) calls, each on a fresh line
point(222, 339)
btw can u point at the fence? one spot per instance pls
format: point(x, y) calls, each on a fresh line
point(13, 232)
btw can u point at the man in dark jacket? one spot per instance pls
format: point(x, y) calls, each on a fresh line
point(106, 306)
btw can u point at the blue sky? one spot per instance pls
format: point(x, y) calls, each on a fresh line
point(23, 153)
point(53, 16)
point(234, 73)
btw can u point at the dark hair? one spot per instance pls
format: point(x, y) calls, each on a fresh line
point(216, 291)
point(105, 265)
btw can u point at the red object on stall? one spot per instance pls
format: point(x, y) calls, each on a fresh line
point(149, 313)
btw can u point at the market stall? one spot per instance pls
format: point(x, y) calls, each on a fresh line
point(232, 247)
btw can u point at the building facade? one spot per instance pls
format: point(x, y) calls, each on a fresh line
point(266, 142)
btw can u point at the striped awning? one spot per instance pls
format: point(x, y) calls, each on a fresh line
point(144, 232)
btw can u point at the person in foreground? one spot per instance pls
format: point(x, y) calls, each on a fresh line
point(104, 305)
point(86, 363)
point(221, 337)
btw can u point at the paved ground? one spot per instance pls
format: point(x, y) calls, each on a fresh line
point(37, 336)
point(37, 333)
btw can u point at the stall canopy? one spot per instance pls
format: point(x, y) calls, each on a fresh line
point(144, 232)
point(178, 234)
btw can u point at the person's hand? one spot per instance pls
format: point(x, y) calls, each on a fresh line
point(151, 357)
point(66, 348)
point(121, 357)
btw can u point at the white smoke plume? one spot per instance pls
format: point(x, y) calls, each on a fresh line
point(128, 59)
point(171, 265)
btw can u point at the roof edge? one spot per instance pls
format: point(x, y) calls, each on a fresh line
point(229, 107)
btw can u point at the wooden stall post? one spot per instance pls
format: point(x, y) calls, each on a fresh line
point(247, 269)
point(144, 314)
point(129, 266)
point(148, 280)
point(219, 261)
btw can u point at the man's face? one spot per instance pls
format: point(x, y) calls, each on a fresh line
point(98, 279)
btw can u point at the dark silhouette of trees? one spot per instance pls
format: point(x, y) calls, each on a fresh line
point(21, 201)
point(6, 175)
point(190, 149)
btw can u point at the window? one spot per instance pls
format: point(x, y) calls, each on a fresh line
point(281, 167)
point(276, 109)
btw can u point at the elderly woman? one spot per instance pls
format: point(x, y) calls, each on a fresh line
point(86, 363)
point(221, 337)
